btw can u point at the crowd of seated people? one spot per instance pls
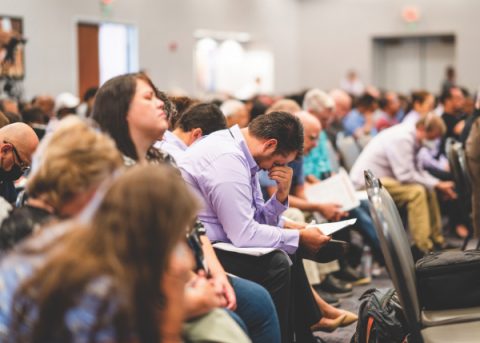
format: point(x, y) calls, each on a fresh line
point(139, 216)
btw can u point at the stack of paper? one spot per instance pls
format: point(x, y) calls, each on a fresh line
point(337, 189)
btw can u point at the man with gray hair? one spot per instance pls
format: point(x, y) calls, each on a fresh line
point(317, 162)
point(317, 166)
point(320, 104)
point(343, 105)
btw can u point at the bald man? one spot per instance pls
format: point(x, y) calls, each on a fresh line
point(18, 141)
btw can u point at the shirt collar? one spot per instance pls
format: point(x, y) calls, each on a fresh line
point(171, 138)
point(238, 137)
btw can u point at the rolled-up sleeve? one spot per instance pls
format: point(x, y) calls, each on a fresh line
point(246, 220)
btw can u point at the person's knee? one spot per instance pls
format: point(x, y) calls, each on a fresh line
point(279, 266)
point(280, 261)
point(262, 298)
point(417, 193)
point(253, 295)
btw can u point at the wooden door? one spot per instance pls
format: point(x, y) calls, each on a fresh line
point(88, 57)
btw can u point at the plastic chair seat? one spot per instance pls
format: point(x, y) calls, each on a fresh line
point(443, 317)
point(458, 333)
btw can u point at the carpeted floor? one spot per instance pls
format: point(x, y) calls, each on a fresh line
point(343, 335)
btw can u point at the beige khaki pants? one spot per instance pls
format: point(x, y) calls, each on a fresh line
point(424, 220)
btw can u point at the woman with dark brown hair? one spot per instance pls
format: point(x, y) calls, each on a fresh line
point(128, 108)
point(101, 282)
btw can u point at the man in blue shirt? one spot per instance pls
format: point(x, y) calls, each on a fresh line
point(360, 122)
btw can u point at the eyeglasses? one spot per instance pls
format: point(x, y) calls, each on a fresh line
point(313, 137)
point(22, 164)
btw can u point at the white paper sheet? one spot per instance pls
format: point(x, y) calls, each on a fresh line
point(252, 251)
point(331, 228)
point(336, 189)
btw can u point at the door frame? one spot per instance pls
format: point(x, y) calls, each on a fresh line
point(92, 21)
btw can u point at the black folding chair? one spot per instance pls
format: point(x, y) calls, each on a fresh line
point(458, 166)
point(456, 325)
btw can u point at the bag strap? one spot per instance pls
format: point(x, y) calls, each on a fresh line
point(369, 327)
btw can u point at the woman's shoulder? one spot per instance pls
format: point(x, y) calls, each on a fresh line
point(20, 223)
point(96, 311)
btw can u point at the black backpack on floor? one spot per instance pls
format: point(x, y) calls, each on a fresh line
point(380, 318)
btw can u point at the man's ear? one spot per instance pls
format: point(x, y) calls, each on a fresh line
point(5, 148)
point(195, 134)
point(270, 146)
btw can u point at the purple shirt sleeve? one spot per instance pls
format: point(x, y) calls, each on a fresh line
point(426, 158)
point(235, 197)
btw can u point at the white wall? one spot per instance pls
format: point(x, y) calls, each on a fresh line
point(50, 26)
point(336, 35)
point(314, 41)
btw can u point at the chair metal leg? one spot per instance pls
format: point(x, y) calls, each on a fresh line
point(465, 242)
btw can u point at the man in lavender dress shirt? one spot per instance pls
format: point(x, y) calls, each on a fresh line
point(222, 169)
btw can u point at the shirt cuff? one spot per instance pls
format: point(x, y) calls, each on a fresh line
point(290, 240)
point(278, 207)
point(431, 183)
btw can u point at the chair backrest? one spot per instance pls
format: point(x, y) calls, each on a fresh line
point(333, 157)
point(395, 248)
point(362, 141)
point(462, 160)
point(457, 161)
point(348, 149)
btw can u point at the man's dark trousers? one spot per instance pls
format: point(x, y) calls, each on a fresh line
point(288, 286)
